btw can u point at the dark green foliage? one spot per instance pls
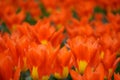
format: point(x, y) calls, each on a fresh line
point(4, 28)
point(75, 15)
point(52, 77)
point(69, 77)
point(43, 11)
point(64, 41)
point(91, 18)
point(104, 20)
point(18, 10)
point(98, 9)
point(116, 11)
point(29, 19)
point(118, 68)
point(25, 75)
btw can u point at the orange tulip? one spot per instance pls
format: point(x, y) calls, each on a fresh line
point(116, 76)
point(6, 67)
point(48, 38)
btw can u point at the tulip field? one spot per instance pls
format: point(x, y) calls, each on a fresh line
point(59, 39)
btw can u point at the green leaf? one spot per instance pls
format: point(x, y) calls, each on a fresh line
point(64, 31)
point(52, 77)
point(52, 23)
point(69, 77)
point(118, 55)
point(41, 16)
point(75, 15)
point(29, 19)
point(112, 78)
point(105, 78)
point(18, 10)
point(91, 18)
point(4, 28)
point(25, 75)
point(104, 20)
point(98, 9)
point(43, 11)
point(116, 11)
point(64, 41)
point(73, 68)
point(118, 68)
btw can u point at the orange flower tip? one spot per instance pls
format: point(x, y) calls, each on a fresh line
point(45, 78)
point(15, 68)
point(110, 70)
point(76, 70)
point(49, 10)
point(58, 10)
point(35, 73)
point(11, 79)
point(116, 76)
point(72, 8)
point(93, 69)
point(58, 26)
point(25, 64)
point(57, 75)
point(14, 27)
point(65, 72)
point(105, 78)
point(118, 55)
point(82, 66)
point(102, 55)
point(44, 42)
point(36, 18)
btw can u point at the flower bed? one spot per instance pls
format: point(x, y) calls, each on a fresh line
point(59, 40)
